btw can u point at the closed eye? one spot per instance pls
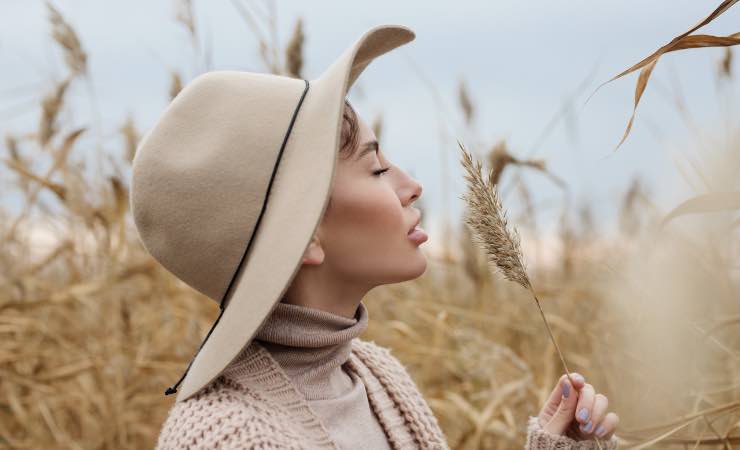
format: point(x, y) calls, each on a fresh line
point(380, 172)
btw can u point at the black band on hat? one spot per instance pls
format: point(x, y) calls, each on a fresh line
point(222, 307)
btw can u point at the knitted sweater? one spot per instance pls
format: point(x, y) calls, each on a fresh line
point(307, 381)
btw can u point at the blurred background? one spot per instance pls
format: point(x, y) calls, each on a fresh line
point(633, 252)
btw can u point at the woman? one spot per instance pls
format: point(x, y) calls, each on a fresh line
point(302, 378)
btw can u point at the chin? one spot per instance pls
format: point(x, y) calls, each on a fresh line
point(409, 266)
point(417, 266)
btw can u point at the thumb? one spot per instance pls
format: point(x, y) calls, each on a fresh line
point(565, 413)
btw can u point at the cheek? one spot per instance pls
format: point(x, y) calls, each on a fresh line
point(365, 220)
point(372, 214)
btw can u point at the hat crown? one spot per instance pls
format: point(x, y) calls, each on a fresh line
point(200, 177)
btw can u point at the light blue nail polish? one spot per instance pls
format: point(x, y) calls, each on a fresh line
point(588, 427)
point(600, 430)
point(583, 414)
point(566, 389)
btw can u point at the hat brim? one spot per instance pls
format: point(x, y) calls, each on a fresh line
point(297, 202)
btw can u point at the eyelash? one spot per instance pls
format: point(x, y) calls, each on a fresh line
point(378, 173)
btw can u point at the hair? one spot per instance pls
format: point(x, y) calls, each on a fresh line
point(350, 135)
point(350, 130)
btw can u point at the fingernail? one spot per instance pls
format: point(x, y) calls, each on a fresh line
point(566, 389)
point(583, 414)
point(587, 428)
point(600, 430)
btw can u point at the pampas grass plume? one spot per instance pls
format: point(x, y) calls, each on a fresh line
point(487, 222)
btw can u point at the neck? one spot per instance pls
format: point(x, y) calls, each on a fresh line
point(314, 287)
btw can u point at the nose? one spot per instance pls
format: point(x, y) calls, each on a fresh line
point(415, 190)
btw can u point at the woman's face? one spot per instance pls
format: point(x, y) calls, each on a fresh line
point(364, 231)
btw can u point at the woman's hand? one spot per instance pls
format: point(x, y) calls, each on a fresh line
point(577, 411)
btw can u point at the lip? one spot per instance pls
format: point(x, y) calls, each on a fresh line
point(418, 235)
point(418, 221)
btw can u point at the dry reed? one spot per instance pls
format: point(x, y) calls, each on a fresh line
point(681, 42)
point(487, 220)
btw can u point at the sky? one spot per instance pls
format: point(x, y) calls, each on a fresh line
point(523, 62)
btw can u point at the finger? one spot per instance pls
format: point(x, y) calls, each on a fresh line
point(601, 402)
point(597, 415)
point(578, 380)
point(585, 403)
point(608, 426)
point(557, 392)
point(563, 416)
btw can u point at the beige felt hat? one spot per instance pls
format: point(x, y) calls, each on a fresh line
point(203, 174)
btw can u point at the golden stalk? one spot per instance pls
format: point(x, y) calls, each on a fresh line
point(488, 223)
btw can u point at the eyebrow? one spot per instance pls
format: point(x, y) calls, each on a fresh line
point(368, 147)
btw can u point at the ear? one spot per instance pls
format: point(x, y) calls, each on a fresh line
point(314, 253)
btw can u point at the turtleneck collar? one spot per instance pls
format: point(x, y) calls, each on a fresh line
point(312, 345)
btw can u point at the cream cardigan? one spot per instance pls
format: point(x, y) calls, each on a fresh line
point(255, 403)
